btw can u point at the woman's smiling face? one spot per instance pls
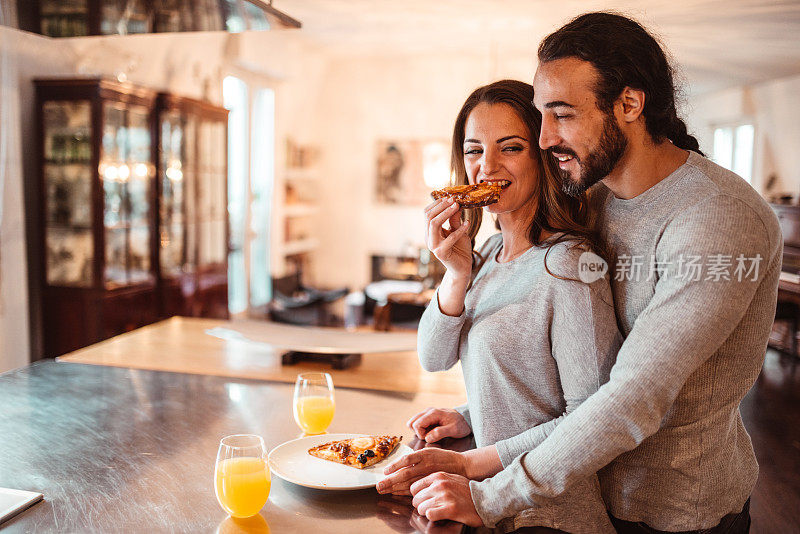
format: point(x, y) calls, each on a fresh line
point(497, 148)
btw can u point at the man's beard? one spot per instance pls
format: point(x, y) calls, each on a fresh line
point(598, 164)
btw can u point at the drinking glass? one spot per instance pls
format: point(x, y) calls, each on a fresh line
point(313, 402)
point(242, 478)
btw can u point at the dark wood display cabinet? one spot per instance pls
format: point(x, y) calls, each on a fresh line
point(192, 191)
point(131, 204)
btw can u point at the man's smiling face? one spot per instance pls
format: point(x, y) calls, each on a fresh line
point(587, 142)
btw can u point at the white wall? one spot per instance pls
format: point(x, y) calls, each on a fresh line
point(28, 56)
point(773, 107)
point(190, 64)
point(392, 98)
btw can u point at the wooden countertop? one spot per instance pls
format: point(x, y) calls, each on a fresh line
point(183, 345)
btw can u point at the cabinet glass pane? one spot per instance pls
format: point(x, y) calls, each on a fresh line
point(63, 18)
point(169, 16)
point(172, 194)
point(126, 173)
point(205, 192)
point(69, 257)
point(139, 253)
point(121, 17)
point(116, 272)
point(138, 161)
point(234, 16)
point(68, 184)
point(115, 175)
point(190, 184)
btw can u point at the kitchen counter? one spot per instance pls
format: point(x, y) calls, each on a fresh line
point(251, 349)
point(131, 450)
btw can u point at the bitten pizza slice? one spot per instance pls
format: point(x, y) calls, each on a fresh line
point(359, 452)
point(472, 196)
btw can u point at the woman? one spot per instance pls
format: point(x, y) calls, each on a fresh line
point(533, 340)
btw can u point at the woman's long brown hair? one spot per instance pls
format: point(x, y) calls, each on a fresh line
point(555, 211)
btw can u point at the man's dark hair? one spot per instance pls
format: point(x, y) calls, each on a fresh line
point(624, 55)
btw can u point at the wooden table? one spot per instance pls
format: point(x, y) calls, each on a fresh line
point(128, 450)
point(189, 345)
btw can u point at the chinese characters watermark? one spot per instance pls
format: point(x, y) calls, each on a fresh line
point(690, 268)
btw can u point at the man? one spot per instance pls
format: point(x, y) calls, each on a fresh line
point(698, 254)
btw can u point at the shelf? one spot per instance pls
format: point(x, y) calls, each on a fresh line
point(296, 174)
point(300, 210)
point(80, 162)
point(299, 246)
point(73, 227)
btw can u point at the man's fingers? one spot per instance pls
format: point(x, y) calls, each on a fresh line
point(421, 497)
point(439, 433)
point(438, 513)
point(423, 483)
point(416, 417)
point(401, 489)
point(426, 421)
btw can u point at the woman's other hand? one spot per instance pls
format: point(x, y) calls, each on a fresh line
point(435, 424)
point(452, 247)
point(414, 466)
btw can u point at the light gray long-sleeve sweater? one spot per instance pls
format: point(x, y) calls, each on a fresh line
point(532, 347)
point(695, 343)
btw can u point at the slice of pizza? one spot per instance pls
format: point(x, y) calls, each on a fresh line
point(473, 196)
point(359, 452)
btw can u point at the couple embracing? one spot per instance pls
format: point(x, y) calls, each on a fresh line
point(607, 402)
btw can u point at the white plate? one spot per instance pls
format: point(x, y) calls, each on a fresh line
point(291, 462)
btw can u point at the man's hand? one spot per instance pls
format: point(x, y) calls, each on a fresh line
point(419, 464)
point(434, 424)
point(445, 496)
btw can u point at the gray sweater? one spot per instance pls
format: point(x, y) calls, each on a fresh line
point(669, 415)
point(532, 347)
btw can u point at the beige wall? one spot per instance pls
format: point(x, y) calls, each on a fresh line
point(773, 108)
point(392, 98)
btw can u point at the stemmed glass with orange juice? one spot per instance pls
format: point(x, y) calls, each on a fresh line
point(242, 478)
point(313, 402)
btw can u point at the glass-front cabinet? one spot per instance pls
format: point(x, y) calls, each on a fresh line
point(133, 203)
point(67, 167)
point(192, 207)
point(126, 174)
point(74, 18)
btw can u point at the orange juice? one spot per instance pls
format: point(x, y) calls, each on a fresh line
point(242, 485)
point(314, 414)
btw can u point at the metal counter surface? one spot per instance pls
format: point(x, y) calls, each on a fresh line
point(125, 450)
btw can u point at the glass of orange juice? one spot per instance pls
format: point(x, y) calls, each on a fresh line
point(242, 478)
point(313, 402)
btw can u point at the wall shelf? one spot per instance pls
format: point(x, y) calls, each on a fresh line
point(300, 174)
point(299, 246)
point(300, 210)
